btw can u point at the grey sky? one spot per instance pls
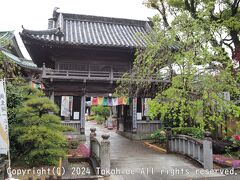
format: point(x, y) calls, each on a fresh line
point(33, 14)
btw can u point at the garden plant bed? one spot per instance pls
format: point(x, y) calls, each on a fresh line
point(225, 161)
point(219, 146)
point(81, 151)
point(156, 146)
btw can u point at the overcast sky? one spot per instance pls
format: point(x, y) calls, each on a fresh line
point(34, 14)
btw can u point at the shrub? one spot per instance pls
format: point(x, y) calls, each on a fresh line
point(234, 148)
point(92, 117)
point(190, 131)
point(100, 119)
point(101, 111)
point(73, 144)
point(159, 136)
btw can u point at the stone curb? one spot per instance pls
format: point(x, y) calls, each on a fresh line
point(155, 148)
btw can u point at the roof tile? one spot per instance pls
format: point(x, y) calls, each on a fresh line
point(94, 30)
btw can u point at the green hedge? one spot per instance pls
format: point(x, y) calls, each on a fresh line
point(159, 136)
point(190, 131)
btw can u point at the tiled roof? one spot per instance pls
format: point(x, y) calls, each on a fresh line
point(8, 38)
point(20, 61)
point(93, 31)
point(14, 53)
point(6, 35)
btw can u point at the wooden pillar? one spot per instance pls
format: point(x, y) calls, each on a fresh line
point(134, 115)
point(82, 120)
point(52, 96)
point(44, 70)
point(169, 139)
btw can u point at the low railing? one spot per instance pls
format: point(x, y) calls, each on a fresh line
point(148, 126)
point(74, 124)
point(84, 75)
point(100, 151)
point(198, 150)
point(95, 75)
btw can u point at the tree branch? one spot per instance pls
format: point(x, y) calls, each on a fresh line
point(229, 46)
point(234, 7)
point(163, 13)
point(190, 7)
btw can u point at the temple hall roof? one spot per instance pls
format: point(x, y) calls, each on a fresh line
point(10, 48)
point(7, 38)
point(74, 29)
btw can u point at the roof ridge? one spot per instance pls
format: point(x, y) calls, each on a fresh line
point(103, 19)
point(40, 32)
point(104, 22)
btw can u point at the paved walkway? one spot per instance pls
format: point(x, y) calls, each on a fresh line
point(131, 160)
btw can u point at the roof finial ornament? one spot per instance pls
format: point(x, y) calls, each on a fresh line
point(59, 33)
point(55, 12)
point(23, 29)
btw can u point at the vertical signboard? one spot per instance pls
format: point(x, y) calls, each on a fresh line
point(4, 140)
point(146, 108)
point(134, 114)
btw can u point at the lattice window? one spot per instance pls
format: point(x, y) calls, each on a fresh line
point(93, 67)
point(74, 67)
point(120, 68)
point(98, 67)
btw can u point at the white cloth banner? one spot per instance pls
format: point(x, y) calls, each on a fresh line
point(65, 104)
point(146, 108)
point(4, 140)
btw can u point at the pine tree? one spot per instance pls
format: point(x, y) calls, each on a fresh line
point(39, 132)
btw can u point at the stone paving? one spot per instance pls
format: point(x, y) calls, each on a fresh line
point(131, 160)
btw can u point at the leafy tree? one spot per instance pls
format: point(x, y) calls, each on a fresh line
point(188, 53)
point(37, 131)
point(222, 16)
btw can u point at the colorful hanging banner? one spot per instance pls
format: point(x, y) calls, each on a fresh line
point(105, 101)
point(125, 101)
point(110, 101)
point(114, 101)
point(4, 139)
point(94, 101)
point(100, 100)
point(120, 101)
point(37, 85)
